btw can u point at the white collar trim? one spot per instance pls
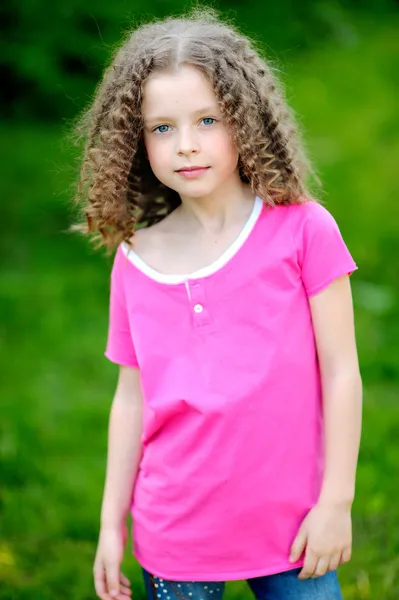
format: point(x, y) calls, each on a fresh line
point(209, 269)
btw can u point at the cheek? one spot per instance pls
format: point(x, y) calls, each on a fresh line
point(225, 148)
point(156, 154)
point(224, 140)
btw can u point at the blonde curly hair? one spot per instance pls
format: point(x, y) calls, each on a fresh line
point(116, 188)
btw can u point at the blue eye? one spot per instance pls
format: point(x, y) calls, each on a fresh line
point(209, 119)
point(159, 127)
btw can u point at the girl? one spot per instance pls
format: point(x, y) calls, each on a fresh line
point(235, 426)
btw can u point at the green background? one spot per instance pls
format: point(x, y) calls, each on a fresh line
point(339, 62)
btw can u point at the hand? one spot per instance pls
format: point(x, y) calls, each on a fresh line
point(326, 536)
point(109, 582)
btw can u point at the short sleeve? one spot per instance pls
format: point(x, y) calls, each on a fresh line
point(119, 348)
point(323, 254)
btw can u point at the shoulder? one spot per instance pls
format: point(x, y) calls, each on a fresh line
point(303, 212)
point(306, 219)
point(148, 242)
point(146, 237)
point(312, 211)
point(312, 230)
point(148, 234)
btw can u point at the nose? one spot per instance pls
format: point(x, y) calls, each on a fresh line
point(187, 142)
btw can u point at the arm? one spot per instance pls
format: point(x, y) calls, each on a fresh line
point(326, 531)
point(124, 455)
point(124, 447)
point(333, 324)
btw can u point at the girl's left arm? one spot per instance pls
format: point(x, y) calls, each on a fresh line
point(333, 324)
point(326, 531)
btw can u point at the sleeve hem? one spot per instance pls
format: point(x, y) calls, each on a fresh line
point(121, 360)
point(321, 286)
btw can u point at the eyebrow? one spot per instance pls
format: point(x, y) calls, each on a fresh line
point(207, 109)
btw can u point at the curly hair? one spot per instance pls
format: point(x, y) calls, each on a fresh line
point(116, 188)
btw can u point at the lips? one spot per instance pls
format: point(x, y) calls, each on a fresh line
point(191, 169)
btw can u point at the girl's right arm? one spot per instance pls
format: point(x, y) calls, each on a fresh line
point(124, 455)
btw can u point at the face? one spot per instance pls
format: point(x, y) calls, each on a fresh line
point(183, 128)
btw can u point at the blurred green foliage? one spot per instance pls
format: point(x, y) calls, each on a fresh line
point(339, 62)
point(52, 53)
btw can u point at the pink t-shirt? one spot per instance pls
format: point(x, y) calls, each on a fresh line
point(232, 432)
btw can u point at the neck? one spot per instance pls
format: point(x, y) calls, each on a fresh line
point(218, 210)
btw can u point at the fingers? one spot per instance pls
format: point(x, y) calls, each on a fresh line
point(298, 545)
point(346, 555)
point(112, 576)
point(335, 561)
point(317, 566)
point(124, 586)
point(124, 580)
point(321, 566)
point(110, 584)
point(125, 591)
point(99, 581)
point(309, 566)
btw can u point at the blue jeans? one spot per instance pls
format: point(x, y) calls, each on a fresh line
point(282, 586)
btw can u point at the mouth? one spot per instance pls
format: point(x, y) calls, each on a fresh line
point(194, 168)
point(192, 172)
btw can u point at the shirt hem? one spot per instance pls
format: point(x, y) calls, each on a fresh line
point(236, 576)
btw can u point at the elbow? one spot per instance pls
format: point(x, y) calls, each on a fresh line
point(345, 377)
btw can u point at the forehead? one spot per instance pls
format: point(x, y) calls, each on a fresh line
point(186, 89)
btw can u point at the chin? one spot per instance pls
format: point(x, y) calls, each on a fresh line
point(195, 193)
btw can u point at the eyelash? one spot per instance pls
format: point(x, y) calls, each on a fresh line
point(203, 119)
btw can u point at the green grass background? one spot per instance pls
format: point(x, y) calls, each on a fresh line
point(56, 386)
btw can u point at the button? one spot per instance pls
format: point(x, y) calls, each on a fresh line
point(198, 308)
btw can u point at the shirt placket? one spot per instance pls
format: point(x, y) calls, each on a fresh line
point(198, 303)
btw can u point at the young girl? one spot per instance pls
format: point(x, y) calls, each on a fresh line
point(235, 426)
